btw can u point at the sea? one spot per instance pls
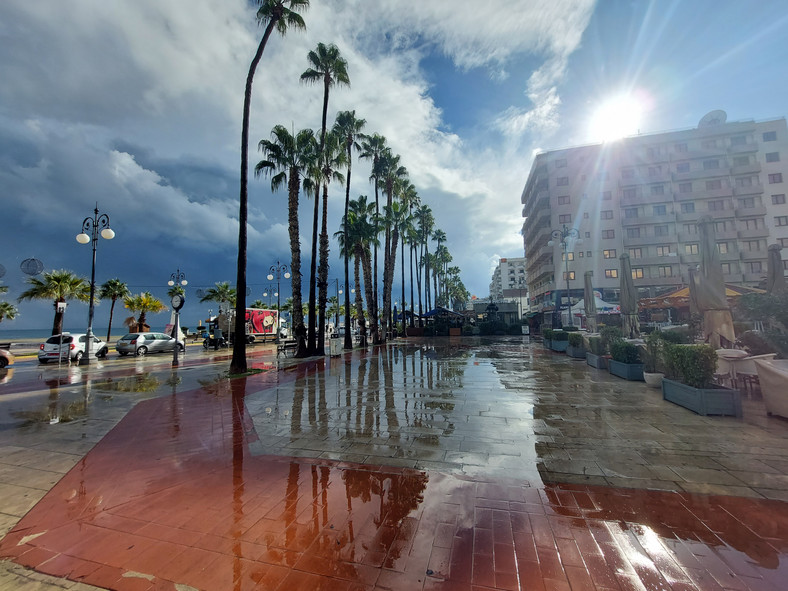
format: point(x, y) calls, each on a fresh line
point(32, 334)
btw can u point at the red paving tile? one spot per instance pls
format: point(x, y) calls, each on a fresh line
point(151, 506)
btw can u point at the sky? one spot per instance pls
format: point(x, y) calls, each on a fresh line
point(135, 107)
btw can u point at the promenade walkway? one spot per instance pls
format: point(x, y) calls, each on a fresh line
point(467, 464)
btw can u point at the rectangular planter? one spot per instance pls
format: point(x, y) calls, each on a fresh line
point(597, 361)
point(576, 352)
point(559, 346)
point(628, 371)
point(704, 401)
point(455, 332)
point(546, 343)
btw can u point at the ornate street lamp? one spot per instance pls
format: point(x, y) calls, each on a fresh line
point(177, 300)
point(339, 292)
point(177, 278)
point(564, 235)
point(92, 227)
point(270, 291)
point(278, 270)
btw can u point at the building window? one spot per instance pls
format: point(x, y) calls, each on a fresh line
point(560, 163)
point(569, 275)
point(690, 229)
point(611, 273)
point(637, 273)
point(770, 136)
point(747, 202)
point(633, 232)
point(714, 185)
point(682, 167)
point(706, 144)
point(564, 200)
point(753, 224)
point(738, 140)
point(631, 213)
point(741, 160)
point(654, 170)
point(778, 199)
point(660, 210)
point(606, 214)
point(629, 193)
point(723, 226)
point(652, 152)
point(722, 247)
point(718, 205)
point(565, 218)
point(744, 181)
point(635, 253)
point(663, 251)
point(691, 248)
point(781, 220)
point(661, 231)
point(607, 195)
point(588, 235)
point(588, 254)
point(628, 173)
point(711, 164)
point(688, 207)
point(775, 178)
point(685, 187)
point(726, 268)
point(751, 245)
point(657, 190)
point(665, 271)
point(608, 234)
point(567, 256)
point(609, 254)
point(562, 181)
point(783, 242)
point(772, 156)
point(681, 147)
point(580, 254)
point(753, 267)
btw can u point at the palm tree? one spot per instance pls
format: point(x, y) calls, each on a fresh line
point(223, 294)
point(349, 128)
point(7, 310)
point(438, 236)
point(410, 199)
point(279, 14)
point(396, 215)
point(425, 222)
point(394, 178)
point(287, 157)
point(59, 285)
point(330, 68)
point(372, 146)
point(115, 290)
point(141, 304)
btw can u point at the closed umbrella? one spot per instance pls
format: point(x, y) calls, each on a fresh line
point(775, 279)
point(710, 283)
point(589, 302)
point(630, 327)
point(693, 290)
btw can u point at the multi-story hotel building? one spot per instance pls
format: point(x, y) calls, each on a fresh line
point(644, 195)
point(509, 282)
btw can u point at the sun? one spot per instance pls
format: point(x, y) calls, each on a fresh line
point(615, 118)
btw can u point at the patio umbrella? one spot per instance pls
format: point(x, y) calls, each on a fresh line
point(630, 327)
point(589, 302)
point(717, 320)
point(775, 279)
point(693, 290)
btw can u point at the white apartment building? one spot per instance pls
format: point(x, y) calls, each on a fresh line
point(644, 195)
point(509, 282)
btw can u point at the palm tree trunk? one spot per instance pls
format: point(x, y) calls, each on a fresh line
point(296, 310)
point(390, 277)
point(402, 273)
point(57, 325)
point(362, 323)
point(412, 321)
point(366, 265)
point(111, 312)
point(323, 277)
point(375, 316)
point(312, 337)
point(348, 337)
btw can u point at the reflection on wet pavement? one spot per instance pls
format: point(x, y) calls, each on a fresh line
point(416, 468)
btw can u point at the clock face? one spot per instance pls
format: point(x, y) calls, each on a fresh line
point(177, 301)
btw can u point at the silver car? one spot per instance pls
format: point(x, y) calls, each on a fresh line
point(142, 343)
point(70, 346)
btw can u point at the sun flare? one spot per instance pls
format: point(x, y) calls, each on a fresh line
point(615, 118)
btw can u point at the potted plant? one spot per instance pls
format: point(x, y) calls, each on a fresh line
point(560, 341)
point(576, 349)
point(625, 361)
point(652, 360)
point(547, 337)
point(595, 352)
point(688, 383)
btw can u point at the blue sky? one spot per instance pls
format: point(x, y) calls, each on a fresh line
point(136, 106)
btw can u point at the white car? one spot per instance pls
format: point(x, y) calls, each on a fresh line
point(142, 343)
point(69, 346)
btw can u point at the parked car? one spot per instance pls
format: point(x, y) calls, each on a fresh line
point(142, 343)
point(6, 358)
point(73, 347)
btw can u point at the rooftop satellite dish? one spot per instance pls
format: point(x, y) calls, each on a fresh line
point(31, 266)
point(717, 117)
point(2, 270)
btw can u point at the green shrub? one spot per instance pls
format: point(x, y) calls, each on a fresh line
point(576, 339)
point(560, 335)
point(596, 345)
point(653, 352)
point(755, 343)
point(624, 352)
point(547, 334)
point(570, 328)
point(692, 364)
point(467, 329)
point(609, 334)
point(676, 335)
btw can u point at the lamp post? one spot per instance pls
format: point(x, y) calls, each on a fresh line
point(92, 227)
point(564, 235)
point(278, 270)
point(270, 292)
point(177, 300)
point(339, 292)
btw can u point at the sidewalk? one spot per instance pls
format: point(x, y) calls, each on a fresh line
point(427, 464)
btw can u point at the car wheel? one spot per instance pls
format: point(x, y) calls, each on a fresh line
point(3, 362)
point(78, 356)
point(142, 351)
point(43, 361)
point(123, 353)
point(181, 348)
point(102, 353)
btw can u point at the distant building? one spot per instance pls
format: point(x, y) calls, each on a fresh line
point(509, 282)
point(644, 195)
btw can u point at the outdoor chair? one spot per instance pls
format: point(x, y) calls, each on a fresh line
point(747, 372)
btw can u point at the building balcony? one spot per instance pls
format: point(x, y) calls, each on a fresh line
point(647, 240)
point(752, 255)
point(753, 278)
point(688, 217)
point(753, 168)
point(756, 233)
point(704, 194)
point(756, 189)
point(638, 199)
point(726, 235)
point(648, 261)
point(730, 256)
point(748, 212)
point(743, 149)
point(659, 281)
point(689, 259)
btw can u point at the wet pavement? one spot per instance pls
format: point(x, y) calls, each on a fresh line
point(426, 464)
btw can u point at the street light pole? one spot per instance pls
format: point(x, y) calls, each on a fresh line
point(177, 302)
point(563, 235)
point(278, 270)
point(96, 225)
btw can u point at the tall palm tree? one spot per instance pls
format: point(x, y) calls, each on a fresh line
point(372, 146)
point(425, 222)
point(349, 128)
point(282, 15)
point(287, 157)
point(438, 236)
point(410, 199)
point(141, 304)
point(59, 286)
point(362, 237)
point(330, 68)
point(115, 290)
point(394, 178)
point(395, 218)
point(7, 310)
